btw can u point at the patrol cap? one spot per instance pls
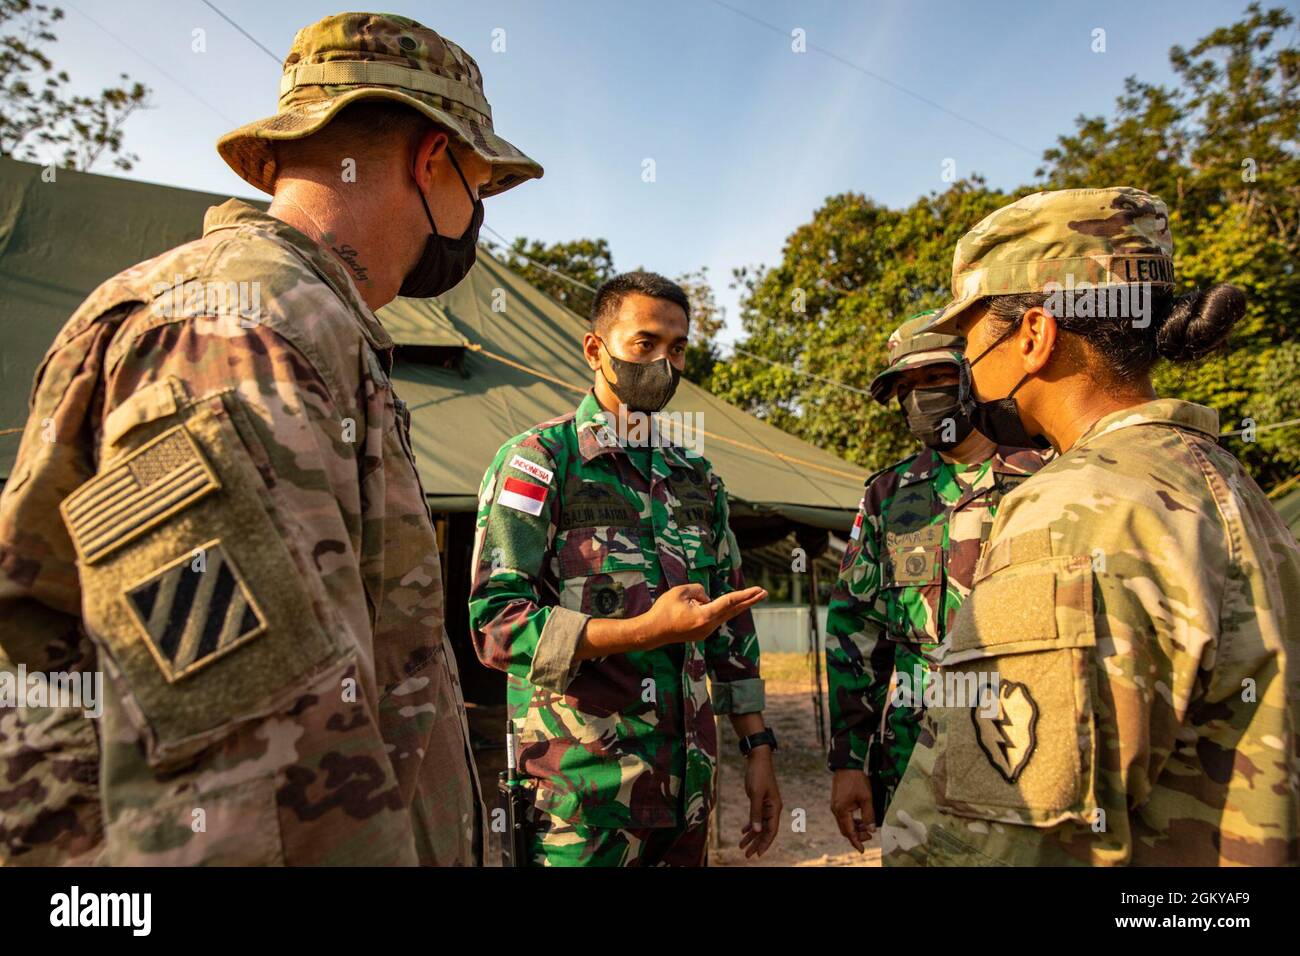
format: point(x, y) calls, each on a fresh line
point(354, 56)
point(911, 345)
point(1061, 239)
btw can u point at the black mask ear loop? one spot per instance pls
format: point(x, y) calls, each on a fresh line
point(602, 367)
point(424, 202)
point(969, 385)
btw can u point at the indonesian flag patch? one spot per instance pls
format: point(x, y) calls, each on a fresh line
point(522, 496)
point(857, 528)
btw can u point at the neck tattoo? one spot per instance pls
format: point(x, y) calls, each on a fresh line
point(349, 255)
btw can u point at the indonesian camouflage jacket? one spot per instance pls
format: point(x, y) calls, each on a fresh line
point(571, 525)
point(908, 566)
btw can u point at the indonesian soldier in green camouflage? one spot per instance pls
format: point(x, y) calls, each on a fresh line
point(908, 566)
point(1138, 600)
point(215, 501)
point(607, 585)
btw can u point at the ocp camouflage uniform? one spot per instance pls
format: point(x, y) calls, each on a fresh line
point(908, 566)
point(621, 749)
point(1139, 601)
point(222, 512)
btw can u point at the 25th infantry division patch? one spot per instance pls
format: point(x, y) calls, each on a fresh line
point(1008, 739)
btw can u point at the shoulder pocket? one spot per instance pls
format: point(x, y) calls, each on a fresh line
point(1019, 744)
point(188, 583)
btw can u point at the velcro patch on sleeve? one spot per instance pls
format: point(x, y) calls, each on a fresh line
point(522, 496)
point(531, 468)
point(159, 479)
point(194, 610)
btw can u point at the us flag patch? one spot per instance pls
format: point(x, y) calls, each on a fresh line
point(522, 496)
point(146, 488)
point(192, 617)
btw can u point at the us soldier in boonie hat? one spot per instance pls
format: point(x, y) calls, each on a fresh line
point(353, 56)
point(234, 516)
point(1060, 240)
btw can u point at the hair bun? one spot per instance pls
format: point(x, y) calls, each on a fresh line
point(1199, 322)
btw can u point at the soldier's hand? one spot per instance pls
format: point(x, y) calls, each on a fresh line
point(851, 796)
point(685, 614)
point(764, 803)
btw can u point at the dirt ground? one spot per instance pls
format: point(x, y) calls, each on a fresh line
point(800, 768)
point(801, 774)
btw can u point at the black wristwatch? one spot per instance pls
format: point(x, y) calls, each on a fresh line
point(765, 736)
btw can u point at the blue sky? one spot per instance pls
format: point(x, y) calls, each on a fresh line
point(748, 136)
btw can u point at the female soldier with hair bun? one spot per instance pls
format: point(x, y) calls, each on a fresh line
point(1138, 599)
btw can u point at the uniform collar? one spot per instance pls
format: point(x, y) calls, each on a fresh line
point(234, 214)
point(1007, 460)
point(1160, 411)
point(597, 436)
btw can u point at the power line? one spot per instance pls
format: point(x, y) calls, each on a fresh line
point(829, 381)
point(252, 39)
point(511, 250)
point(881, 79)
point(1260, 428)
point(109, 33)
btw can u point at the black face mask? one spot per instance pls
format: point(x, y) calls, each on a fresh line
point(642, 386)
point(444, 261)
point(999, 420)
point(936, 416)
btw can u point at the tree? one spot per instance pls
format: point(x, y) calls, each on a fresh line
point(707, 320)
point(1219, 147)
point(38, 113)
point(587, 261)
point(816, 323)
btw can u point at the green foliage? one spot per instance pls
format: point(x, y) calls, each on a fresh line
point(707, 319)
point(589, 261)
point(38, 114)
point(1220, 148)
point(846, 280)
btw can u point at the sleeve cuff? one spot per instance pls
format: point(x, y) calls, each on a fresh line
point(738, 696)
point(553, 664)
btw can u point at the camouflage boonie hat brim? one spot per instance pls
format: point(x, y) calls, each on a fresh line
point(1066, 237)
point(354, 56)
point(913, 345)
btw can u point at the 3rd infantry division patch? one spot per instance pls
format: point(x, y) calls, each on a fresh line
point(191, 617)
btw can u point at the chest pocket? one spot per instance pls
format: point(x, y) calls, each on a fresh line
point(600, 581)
point(912, 583)
point(600, 564)
point(693, 516)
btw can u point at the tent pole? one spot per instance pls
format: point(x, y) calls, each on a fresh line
point(814, 637)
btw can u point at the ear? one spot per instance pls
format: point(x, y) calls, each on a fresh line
point(1036, 339)
point(428, 151)
point(591, 350)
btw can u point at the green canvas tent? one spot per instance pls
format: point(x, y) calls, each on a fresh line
point(59, 239)
point(476, 366)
